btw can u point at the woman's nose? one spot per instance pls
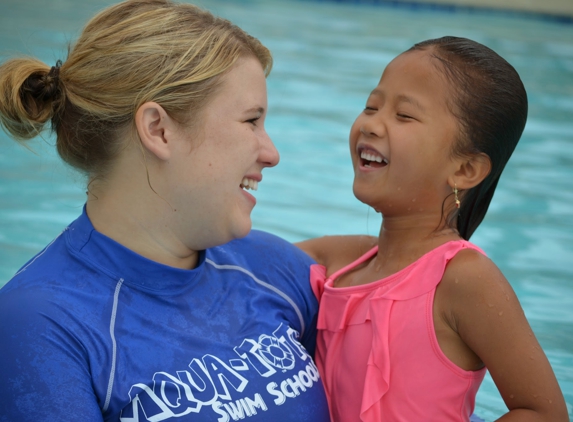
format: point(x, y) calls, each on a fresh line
point(269, 155)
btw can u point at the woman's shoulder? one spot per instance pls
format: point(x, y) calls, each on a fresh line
point(260, 251)
point(335, 252)
point(267, 257)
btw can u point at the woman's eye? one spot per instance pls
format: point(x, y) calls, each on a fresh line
point(253, 121)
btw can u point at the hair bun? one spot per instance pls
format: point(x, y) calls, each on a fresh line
point(30, 94)
point(43, 87)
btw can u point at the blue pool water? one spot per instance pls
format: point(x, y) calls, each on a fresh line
point(328, 56)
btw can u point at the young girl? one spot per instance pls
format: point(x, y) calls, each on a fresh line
point(407, 330)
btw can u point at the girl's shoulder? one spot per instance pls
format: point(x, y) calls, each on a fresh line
point(474, 293)
point(471, 272)
point(473, 265)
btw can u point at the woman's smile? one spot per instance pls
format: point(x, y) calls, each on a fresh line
point(250, 183)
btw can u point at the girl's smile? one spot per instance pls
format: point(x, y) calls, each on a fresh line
point(370, 158)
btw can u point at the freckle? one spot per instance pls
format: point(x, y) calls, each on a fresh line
point(457, 281)
point(409, 209)
point(501, 313)
point(414, 200)
point(490, 305)
point(399, 188)
point(550, 401)
point(511, 396)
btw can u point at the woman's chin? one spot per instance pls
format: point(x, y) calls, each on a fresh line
point(241, 229)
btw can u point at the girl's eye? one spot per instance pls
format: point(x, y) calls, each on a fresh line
point(404, 116)
point(370, 108)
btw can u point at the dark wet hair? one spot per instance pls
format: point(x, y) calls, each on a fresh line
point(490, 103)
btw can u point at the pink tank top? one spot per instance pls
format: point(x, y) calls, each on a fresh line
point(377, 350)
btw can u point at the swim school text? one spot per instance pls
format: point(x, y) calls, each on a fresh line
point(213, 385)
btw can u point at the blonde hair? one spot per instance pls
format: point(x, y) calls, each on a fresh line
point(131, 53)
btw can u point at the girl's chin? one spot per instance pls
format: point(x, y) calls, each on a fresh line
point(365, 196)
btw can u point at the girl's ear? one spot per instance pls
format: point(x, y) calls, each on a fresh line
point(156, 130)
point(471, 172)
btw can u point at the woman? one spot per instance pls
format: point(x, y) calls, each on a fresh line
point(156, 303)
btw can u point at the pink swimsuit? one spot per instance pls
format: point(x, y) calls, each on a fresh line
point(377, 350)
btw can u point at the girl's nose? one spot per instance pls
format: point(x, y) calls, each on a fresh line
point(373, 127)
point(268, 156)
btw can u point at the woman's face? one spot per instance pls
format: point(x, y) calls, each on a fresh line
point(218, 160)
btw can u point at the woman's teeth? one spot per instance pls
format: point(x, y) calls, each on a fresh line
point(249, 184)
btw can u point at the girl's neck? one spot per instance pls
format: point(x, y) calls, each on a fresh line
point(402, 241)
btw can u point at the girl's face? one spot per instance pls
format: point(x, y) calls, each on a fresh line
point(400, 144)
point(221, 159)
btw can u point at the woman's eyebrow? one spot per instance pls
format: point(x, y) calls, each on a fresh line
point(259, 110)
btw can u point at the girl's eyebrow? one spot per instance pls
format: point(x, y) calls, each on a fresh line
point(410, 100)
point(402, 98)
point(377, 93)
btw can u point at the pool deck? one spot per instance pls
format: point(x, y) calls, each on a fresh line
point(550, 7)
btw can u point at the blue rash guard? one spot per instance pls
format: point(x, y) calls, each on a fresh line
point(91, 331)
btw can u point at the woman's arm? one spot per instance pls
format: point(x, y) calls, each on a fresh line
point(46, 375)
point(334, 252)
point(489, 319)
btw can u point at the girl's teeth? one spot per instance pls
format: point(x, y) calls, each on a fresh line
point(249, 184)
point(371, 157)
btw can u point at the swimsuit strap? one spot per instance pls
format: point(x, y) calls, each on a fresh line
point(359, 261)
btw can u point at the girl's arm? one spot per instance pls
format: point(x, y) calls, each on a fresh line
point(334, 252)
point(487, 316)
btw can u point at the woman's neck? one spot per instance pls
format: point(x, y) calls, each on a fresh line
point(138, 219)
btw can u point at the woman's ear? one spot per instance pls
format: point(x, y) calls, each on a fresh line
point(471, 171)
point(155, 129)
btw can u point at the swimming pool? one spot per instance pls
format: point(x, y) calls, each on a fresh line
point(328, 56)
